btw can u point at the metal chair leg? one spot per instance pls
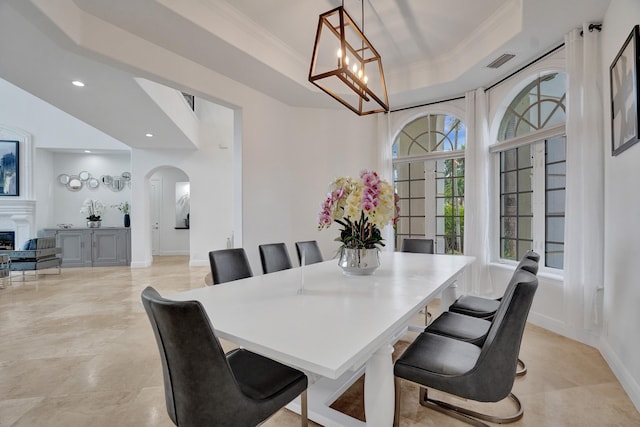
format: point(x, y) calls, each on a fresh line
point(471, 417)
point(522, 368)
point(304, 415)
point(396, 413)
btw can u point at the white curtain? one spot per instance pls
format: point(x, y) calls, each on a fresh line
point(584, 220)
point(477, 202)
point(385, 169)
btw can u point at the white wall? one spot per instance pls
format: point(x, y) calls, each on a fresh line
point(620, 343)
point(67, 204)
point(324, 144)
point(210, 172)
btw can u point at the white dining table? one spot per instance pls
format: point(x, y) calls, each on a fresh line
point(330, 325)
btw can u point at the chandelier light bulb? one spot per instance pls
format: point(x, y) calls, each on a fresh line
point(355, 68)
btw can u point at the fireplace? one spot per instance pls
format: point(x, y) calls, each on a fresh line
point(18, 216)
point(7, 240)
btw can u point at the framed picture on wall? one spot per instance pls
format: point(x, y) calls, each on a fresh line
point(623, 75)
point(9, 168)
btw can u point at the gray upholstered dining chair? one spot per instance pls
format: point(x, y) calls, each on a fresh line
point(419, 246)
point(474, 329)
point(311, 250)
point(229, 264)
point(274, 257)
point(466, 306)
point(481, 307)
point(414, 245)
point(484, 374)
point(203, 385)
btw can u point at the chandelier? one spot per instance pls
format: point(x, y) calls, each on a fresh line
point(346, 65)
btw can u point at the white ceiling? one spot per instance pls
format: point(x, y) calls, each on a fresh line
point(430, 49)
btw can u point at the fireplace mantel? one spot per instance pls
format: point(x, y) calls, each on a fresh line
point(18, 215)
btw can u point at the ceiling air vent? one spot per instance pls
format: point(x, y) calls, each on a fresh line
point(501, 60)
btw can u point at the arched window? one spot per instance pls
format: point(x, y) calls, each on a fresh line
point(428, 134)
point(533, 171)
point(539, 105)
point(428, 170)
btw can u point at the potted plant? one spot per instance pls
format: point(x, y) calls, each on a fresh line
point(94, 210)
point(362, 207)
point(124, 208)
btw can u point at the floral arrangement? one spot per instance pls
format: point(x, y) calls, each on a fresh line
point(362, 207)
point(93, 208)
point(123, 207)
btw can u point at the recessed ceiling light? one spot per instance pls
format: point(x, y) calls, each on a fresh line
point(77, 83)
point(148, 135)
point(87, 151)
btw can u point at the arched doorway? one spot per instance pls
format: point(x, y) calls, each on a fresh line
point(170, 212)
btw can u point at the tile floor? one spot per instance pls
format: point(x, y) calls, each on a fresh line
point(76, 349)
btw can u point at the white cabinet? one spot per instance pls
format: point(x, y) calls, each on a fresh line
point(93, 247)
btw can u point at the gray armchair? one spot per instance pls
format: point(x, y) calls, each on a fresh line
point(37, 254)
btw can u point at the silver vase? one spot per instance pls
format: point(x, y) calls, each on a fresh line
point(359, 262)
point(94, 224)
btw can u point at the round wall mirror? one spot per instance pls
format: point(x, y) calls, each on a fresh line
point(93, 183)
point(84, 176)
point(126, 176)
point(63, 179)
point(106, 179)
point(74, 184)
point(117, 184)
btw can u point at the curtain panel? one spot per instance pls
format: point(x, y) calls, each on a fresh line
point(584, 227)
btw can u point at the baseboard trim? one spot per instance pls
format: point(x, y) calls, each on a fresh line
point(630, 386)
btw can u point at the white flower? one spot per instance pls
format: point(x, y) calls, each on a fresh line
point(93, 209)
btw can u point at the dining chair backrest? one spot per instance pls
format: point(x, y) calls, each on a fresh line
point(501, 347)
point(204, 385)
point(311, 250)
point(274, 257)
point(197, 377)
point(229, 264)
point(419, 246)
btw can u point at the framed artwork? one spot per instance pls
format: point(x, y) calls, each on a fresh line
point(9, 168)
point(623, 75)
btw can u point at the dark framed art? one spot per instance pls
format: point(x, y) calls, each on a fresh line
point(623, 75)
point(9, 168)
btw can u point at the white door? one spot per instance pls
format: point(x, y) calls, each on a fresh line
point(156, 203)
